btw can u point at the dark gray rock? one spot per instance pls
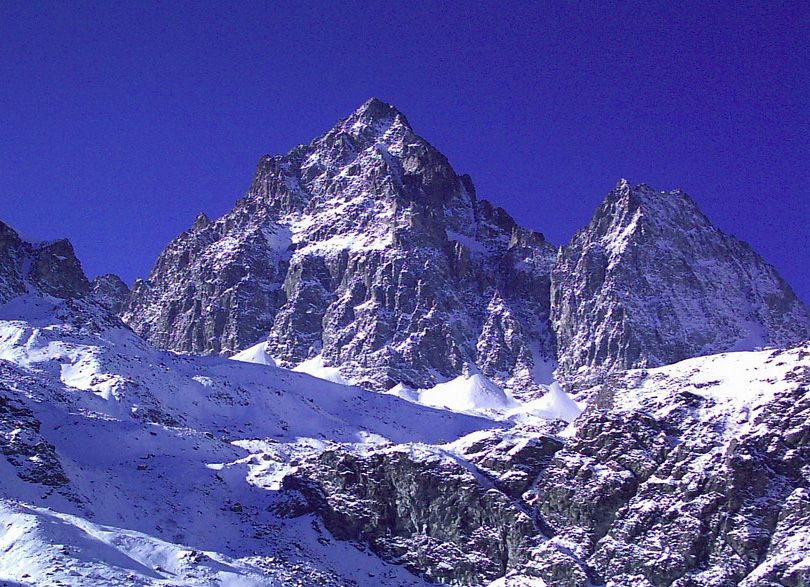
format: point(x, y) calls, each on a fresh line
point(50, 268)
point(23, 445)
point(679, 491)
point(431, 513)
point(110, 292)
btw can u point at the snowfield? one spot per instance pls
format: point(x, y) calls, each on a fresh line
point(173, 462)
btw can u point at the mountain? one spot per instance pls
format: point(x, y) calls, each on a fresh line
point(365, 254)
point(364, 257)
point(110, 291)
point(126, 465)
point(121, 464)
point(363, 250)
point(650, 282)
point(46, 278)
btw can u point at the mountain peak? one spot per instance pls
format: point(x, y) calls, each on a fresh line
point(673, 206)
point(623, 185)
point(375, 113)
point(651, 281)
point(375, 108)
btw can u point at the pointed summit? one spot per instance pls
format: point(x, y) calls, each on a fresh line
point(374, 113)
point(622, 185)
point(356, 249)
point(376, 109)
point(628, 206)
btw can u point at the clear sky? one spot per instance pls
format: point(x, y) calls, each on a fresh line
point(119, 121)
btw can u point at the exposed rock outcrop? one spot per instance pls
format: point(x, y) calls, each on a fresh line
point(110, 292)
point(50, 268)
point(417, 506)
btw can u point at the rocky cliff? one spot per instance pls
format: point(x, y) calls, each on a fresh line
point(364, 248)
point(50, 268)
point(690, 475)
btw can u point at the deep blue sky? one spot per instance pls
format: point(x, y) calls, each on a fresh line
point(120, 121)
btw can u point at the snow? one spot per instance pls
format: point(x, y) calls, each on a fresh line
point(737, 386)
point(477, 394)
point(315, 367)
point(470, 242)
point(175, 462)
point(518, 581)
point(554, 405)
point(467, 393)
point(255, 354)
point(351, 242)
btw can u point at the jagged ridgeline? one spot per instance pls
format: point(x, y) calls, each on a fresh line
point(366, 251)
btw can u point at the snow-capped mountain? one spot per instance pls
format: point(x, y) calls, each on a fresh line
point(50, 268)
point(650, 281)
point(363, 250)
point(364, 257)
point(365, 253)
point(127, 465)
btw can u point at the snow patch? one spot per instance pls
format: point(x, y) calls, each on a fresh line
point(256, 354)
point(477, 394)
point(316, 367)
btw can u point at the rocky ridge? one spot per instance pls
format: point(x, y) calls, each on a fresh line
point(694, 474)
point(50, 268)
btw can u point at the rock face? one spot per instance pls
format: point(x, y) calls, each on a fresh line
point(367, 250)
point(50, 268)
point(690, 475)
point(34, 458)
point(694, 474)
point(651, 282)
point(418, 507)
point(48, 276)
point(364, 247)
point(110, 292)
